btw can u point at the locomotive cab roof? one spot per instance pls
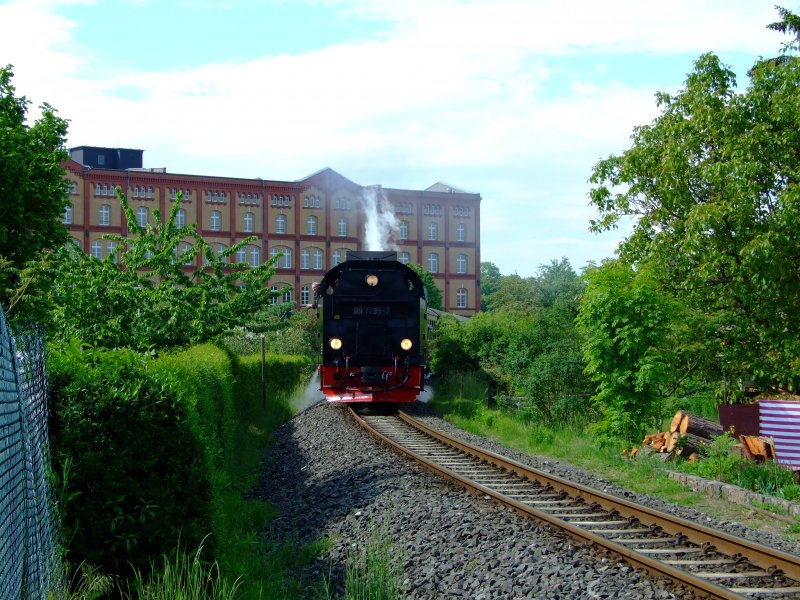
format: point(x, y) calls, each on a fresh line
point(364, 261)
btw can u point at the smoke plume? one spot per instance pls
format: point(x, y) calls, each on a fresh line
point(382, 225)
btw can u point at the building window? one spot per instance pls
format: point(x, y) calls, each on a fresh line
point(403, 257)
point(286, 261)
point(403, 230)
point(312, 225)
point(241, 255)
point(287, 295)
point(274, 290)
point(248, 222)
point(66, 218)
point(461, 232)
point(343, 227)
point(105, 215)
point(461, 263)
point(433, 262)
point(461, 298)
point(141, 216)
point(220, 250)
point(433, 231)
point(180, 218)
point(110, 250)
point(336, 258)
point(318, 259)
point(280, 224)
point(255, 256)
point(304, 259)
point(185, 250)
point(343, 204)
point(101, 160)
point(305, 295)
point(97, 249)
point(216, 220)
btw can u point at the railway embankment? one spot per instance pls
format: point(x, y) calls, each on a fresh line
point(329, 479)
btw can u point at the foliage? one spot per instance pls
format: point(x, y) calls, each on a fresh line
point(285, 331)
point(526, 345)
point(711, 185)
point(144, 295)
point(32, 185)
point(490, 278)
point(433, 292)
point(138, 473)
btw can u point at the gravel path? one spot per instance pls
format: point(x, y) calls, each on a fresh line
point(328, 478)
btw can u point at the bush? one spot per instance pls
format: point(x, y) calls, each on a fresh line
point(134, 469)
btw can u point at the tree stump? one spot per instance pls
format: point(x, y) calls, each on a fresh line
point(676, 421)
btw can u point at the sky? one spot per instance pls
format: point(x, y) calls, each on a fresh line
point(515, 100)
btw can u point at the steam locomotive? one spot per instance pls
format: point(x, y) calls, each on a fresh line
point(373, 330)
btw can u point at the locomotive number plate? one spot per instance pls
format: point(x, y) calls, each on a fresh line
point(370, 311)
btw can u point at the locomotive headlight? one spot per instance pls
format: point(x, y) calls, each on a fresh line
point(335, 343)
point(372, 280)
point(406, 344)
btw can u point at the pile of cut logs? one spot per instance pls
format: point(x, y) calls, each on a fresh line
point(686, 436)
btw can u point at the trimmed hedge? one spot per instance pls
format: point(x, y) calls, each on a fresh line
point(145, 448)
point(135, 478)
point(284, 374)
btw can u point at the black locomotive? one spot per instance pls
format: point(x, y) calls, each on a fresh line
point(373, 330)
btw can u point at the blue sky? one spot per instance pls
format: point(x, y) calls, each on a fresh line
point(513, 99)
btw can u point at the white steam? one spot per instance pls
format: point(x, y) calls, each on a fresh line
point(382, 225)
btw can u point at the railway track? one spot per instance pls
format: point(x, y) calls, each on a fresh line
point(711, 563)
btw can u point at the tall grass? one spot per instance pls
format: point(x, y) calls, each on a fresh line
point(372, 571)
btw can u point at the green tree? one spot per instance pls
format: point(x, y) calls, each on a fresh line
point(712, 188)
point(625, 321)
point(433, 292)
point(490, 279)
point(32, 184)
point(143, 295)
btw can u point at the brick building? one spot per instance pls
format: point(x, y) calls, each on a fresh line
point(311, 222)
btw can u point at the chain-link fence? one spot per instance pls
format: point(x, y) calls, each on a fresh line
point(29, 563)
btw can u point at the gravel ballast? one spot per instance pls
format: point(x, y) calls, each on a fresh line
point(330, 479)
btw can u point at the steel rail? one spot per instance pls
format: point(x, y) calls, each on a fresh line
point(767, 559)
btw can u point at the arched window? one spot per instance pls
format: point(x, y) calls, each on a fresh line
point(461, 263)
point(97, 249)
point(287, 295)
point(105, 215)
point(318, 259)
point(241, 255)
point(403, 257)
point(312, 225)
point(305, 259)
point(343, 227)
point(66, 218)
point(461, 232)
point(286, 261)
point(403, 230)
point(433, 262)
point(280, 224)
point(305, 295)
point(274, 289)
point(141, 216)
point(336, 258)
point(216, 220)
point(433, 231)
point(220, 250)
point(110, 250)
point(180, 218)
point(255, 256)
point(248, 222)
point(461, 298)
